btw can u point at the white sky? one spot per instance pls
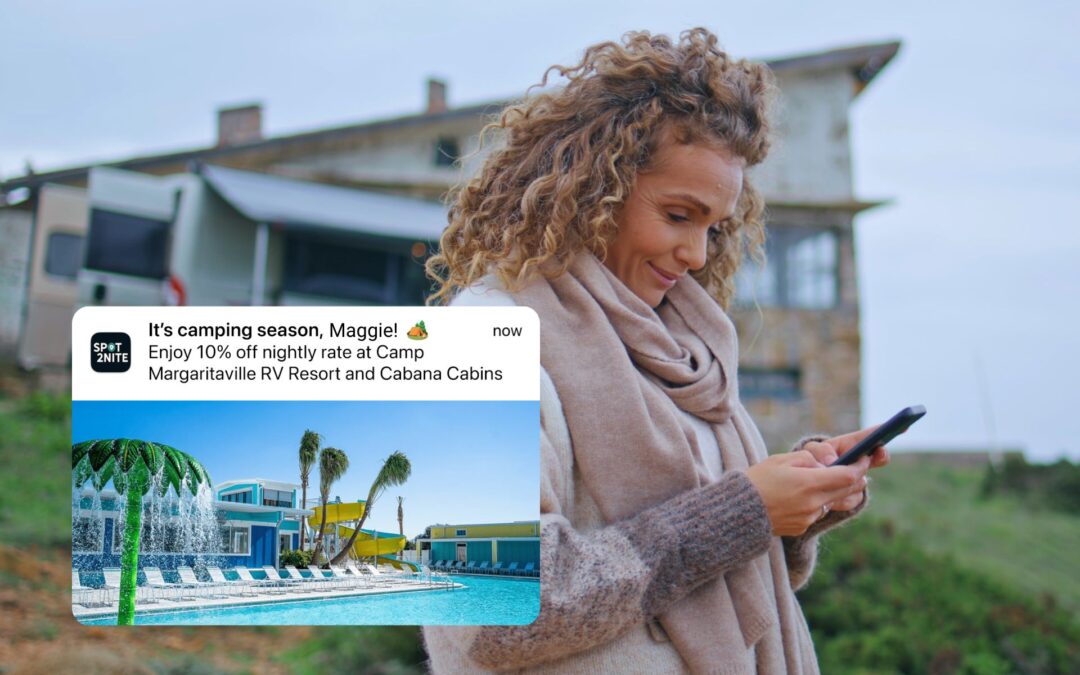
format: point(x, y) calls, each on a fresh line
point(972, 131)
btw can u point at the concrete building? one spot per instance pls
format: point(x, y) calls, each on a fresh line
point(798, 317)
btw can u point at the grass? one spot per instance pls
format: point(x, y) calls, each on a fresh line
point(1035, 551)
point(35, 451)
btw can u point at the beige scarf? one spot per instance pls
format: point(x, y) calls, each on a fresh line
point(634, 449)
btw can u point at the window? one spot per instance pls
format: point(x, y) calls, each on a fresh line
point(87, 535)
point(460, 533)
point(330, 267)
point(447, 151)
point(237, 497)
point(277, 498)
point(801, 271)
point(127, 244)
point(235, 540)
point(63, 254)
point(780, 383)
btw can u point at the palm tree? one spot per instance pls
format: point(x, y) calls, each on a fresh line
point(309, 452)
point(131, 465)
point(395, 471)
point(400, 516)
point(333, 464)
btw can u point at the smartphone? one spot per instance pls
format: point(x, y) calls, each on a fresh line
point(896, 425)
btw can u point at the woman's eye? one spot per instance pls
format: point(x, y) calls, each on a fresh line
point(677, 218)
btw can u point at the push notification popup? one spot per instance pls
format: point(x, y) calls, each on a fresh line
point(268, 353)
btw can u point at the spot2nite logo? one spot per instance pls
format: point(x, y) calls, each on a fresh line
point(110, 352)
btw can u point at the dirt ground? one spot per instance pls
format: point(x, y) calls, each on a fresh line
point(39, 635)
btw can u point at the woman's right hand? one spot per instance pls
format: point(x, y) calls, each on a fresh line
point(795, 487)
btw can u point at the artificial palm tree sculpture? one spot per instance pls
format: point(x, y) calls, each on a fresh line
point(333, 463)
point(395, 471)
point(309, 452)
point(132, 465)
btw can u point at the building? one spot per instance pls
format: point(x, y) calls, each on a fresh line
point(507, 543)
point(251, 522)
point(798, 317)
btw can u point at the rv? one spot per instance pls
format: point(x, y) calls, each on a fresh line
point(219, 236)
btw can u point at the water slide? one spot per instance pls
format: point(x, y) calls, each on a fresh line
point(369, 542)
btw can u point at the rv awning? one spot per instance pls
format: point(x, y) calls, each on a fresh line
point(302, 204)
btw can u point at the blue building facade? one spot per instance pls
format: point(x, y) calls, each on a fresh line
point(253, 522)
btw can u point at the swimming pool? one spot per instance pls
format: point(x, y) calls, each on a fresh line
point(483, 601)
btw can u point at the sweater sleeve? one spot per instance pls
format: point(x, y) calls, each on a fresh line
point(800, 552)
point(595, 585)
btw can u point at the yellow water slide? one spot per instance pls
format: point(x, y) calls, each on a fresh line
point(369, 542)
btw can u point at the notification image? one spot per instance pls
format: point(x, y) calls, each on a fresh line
point(305, 466)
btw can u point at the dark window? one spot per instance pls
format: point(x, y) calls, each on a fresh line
point(328, 267)
point(460, 533)
point(801, 270)
point(277, 498)
point(127, 244)
point(769, 383)
point(238, 497)
point(63, 254)
point(447, 151)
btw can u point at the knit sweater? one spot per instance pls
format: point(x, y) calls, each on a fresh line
point(602, 584)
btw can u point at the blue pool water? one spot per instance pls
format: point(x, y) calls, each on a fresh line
point(483, 601)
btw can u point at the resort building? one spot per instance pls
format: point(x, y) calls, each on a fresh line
point(516, 542)
point(249, 522)
point(798, 316)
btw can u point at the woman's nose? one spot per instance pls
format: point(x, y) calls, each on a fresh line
point(693, 250)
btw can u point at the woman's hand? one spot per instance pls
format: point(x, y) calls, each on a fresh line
point(795, 486)
point(826, 452)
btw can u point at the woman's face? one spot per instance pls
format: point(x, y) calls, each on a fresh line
point(664, 227)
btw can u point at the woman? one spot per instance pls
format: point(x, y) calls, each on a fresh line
point(619, 209)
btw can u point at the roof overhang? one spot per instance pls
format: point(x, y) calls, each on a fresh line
point(302, 205)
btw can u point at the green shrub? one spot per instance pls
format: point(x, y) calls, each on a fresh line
point(1055, 486)
point(879, 603)
point(297, 558)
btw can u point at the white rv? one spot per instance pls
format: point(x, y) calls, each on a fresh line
point(218, 236)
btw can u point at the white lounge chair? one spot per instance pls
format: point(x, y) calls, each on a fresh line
point(331, 580)
point(268, 584)
point(86, 592)
point(351, 581)
point(287, 582)
point(181, 591)
point(238, 585)
point(311, 583)
point(187, 576)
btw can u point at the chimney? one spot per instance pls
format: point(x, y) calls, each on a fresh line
point(242, 124)
point(436, 96)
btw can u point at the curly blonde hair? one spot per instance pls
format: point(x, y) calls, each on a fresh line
point(569, 159)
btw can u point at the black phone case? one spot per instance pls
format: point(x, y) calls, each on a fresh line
point(896, 425)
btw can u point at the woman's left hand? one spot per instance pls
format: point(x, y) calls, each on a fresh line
point(826, 452)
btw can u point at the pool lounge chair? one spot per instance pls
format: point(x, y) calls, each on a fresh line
point(470, 567)
point(484, 569)
point(350, 580)
point(181, 592)
point(497, 568)
point(311, 583)
point(438, 565)
point(530, 570)
point(187, 576)
point(268, 584)
point(237, 585)
point(513, 569)
point(86, 592)
point(331, 581)
point(287, 581)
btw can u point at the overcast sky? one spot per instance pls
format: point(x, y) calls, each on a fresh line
point(969, 281)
